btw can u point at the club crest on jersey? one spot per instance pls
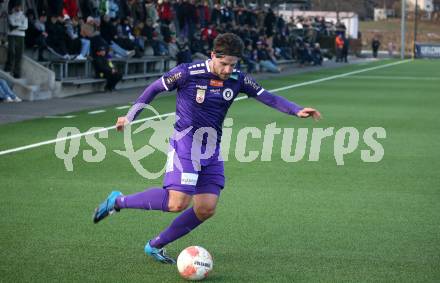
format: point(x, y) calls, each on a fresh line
point(228, 94)
point(216, 83)
point(200, 97)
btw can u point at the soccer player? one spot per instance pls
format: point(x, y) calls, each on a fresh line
point(205, 91)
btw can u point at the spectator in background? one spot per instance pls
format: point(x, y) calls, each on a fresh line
point(6, 93)
point(104, 68)
point(176, 14)
point(56, 39)
point(18, 24)
point(199, 47)
point(184, 54)
point(391, 48)
point(126, 38)
point(89, 8)
point(30, 33)
point(209, 34)
point(110, 34)
point(111, 8)
point(307, 54)
point(55, 8)
point(172, 48)
point(281, 46)
point(139, 37)
point(151, 11)
point(339, 44)
point(317, 55)
point(340, 28)
point(264, 59)
point(227, 13)
point(41, 35)
point(147, 33)
point(165, 12)
point(71, 8)
point(375, 44)
point(136, 10)
point(345, 49)
point(280, 25)
point(76, 43)
point(42, 6)
point(269, 21)
point(189, 19)
point(204, 13)
point(216, 15)
point(249, 57)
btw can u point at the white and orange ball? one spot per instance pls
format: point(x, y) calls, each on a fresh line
point(194, 263)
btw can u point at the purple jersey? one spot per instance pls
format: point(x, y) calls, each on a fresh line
point(203, 99)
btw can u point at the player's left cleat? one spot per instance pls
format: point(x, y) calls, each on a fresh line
point(159, 254)
point(107, 207)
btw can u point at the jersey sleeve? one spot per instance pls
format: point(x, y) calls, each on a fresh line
point(146, 97)
point(250, 87)
point(175, 78)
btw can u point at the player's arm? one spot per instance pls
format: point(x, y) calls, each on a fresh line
point(283, 105)
point(254, 90)
point(168, 82)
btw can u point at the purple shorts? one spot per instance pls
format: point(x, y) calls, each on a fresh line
point(193, 177)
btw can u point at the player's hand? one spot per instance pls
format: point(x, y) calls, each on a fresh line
point(120, 124)
point(309, 112)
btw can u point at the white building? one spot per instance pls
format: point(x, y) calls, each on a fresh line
point(380, 14)
point(425, 5)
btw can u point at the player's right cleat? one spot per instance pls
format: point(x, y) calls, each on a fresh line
point(158, 254)
point(107, 207)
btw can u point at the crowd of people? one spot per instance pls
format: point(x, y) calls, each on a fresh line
point(182, 29)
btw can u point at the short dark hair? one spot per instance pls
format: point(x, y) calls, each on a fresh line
point(228, 44)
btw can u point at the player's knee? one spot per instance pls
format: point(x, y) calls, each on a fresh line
point(204, 212)
point(177, 206)
point(178, 201)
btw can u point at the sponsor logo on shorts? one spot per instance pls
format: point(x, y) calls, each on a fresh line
point(189, 179)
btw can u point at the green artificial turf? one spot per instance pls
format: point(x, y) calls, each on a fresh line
point(309, 221)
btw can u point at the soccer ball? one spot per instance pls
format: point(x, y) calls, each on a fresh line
point(194, 263)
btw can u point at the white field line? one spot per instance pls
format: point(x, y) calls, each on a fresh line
point(78, 135)
point(61, 117)
point(96, 112)
point(123, 107)
point(21, 148)
point(400, 78)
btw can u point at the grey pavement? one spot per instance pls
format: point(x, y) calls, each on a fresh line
point(27, 110)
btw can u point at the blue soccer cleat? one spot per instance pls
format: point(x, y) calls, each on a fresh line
point(158, 254)
point(107, 207)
